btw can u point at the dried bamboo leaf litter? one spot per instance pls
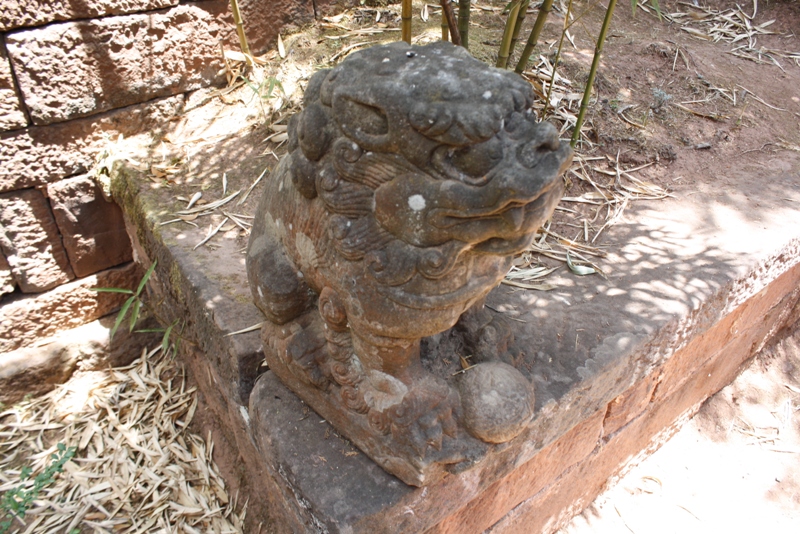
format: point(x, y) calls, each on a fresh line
point(137, 469)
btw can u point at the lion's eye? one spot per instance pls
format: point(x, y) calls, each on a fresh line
point(478, 160)
point(362, 117)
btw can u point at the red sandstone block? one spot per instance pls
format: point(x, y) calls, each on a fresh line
point(554, 506)
point(526, 480)
point(38, 155)
point(25, 319)
point(92, 228)
point(751, 321)
point(31, 242)
point(11, 114)
point(7, 283)
point(74, 69)
point(19, 13)
point(630, 404)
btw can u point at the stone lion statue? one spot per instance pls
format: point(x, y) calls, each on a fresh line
point(414, 175)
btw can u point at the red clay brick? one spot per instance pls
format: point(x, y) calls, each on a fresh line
point(526, 480)
point(92, 228)
point(20, 13)
point(11, 114)
point(74, 69)
point(38, 155)
point(630, 404)
point(31, 243)
point(749, 319)
point(25, 319)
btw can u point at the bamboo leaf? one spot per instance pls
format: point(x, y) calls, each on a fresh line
point(580, 270)
point(111, 290)
point(165, 339)
point(137, 306)
point(122, 312)
point(146, 277)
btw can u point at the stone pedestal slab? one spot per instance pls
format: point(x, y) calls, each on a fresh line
point(695, 288)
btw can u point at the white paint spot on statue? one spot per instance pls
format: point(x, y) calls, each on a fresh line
point(416, 202)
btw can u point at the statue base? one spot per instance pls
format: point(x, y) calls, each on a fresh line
point(615, 370)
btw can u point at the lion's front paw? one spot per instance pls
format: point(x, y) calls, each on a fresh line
point(425, 417)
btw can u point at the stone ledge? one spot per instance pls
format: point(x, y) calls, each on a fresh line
point(614, 362)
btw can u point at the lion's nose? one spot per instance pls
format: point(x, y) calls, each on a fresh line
point(544, 141)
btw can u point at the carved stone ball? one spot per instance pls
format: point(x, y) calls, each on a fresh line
point(497, 401)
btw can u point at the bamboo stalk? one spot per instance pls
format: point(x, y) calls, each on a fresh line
point(237, 19)
point(406, 21)
point(445, 27)
point(523, 11)
point(463, 22)
point(447, 10)
point(508, 33)
point(587, 93)
point(533, 39)
point(558, 56)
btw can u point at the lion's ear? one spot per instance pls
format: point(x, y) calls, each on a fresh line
point(312, 93)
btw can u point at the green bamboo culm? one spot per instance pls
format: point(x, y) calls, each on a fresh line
point(463, 22)
point(405, 21)
point(237, 19)
point(508, 34)
point(445, 27)
point(587, 93)
point(523, 11)
point(548, 99)
point(533, 39)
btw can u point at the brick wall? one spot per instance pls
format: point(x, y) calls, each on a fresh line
point(73, 74)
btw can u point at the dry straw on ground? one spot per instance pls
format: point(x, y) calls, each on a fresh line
point(137, 468)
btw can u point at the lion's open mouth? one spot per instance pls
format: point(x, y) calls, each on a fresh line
point(506, 229)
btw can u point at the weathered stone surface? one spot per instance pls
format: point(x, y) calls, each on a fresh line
point(526, 480)
point(263, 25)
point(7, 282)
point(36, 370)
point(553, 507)
point(31, 242)
point(74, 69)
point(27, 318)
point(92, 228)
point(630, 404)
point(11, 114)
point(414, 176)
point(751, 323)
point(38, 155)
point(19, 13)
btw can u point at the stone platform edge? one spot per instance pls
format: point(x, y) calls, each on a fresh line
point(546, 483)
